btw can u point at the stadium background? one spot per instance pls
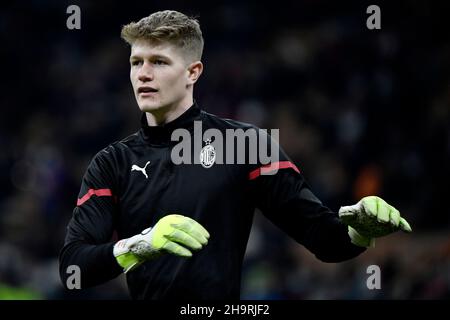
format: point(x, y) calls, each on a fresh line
point(360, 112)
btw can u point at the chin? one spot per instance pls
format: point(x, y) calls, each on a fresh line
point(149, 107)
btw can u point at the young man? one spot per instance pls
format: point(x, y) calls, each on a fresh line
point(184, 227)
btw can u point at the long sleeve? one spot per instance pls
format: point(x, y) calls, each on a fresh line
point(88, 242)
point(286, 199)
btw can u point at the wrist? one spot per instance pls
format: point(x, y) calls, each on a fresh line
point(124, 257)
point(132, 252)
point(128, 261)
point(360, 240)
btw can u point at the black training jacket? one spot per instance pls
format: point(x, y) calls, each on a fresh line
point(116, 202)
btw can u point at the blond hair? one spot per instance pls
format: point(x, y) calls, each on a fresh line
point(168, 26)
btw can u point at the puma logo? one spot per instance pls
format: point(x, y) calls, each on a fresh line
point(137, 168)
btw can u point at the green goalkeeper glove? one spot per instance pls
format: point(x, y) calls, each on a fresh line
point(174, 234)
point(371, 218)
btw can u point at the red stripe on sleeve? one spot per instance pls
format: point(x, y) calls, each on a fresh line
point(91, 192)
point(272, 167)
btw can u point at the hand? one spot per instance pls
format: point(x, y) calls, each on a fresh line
point(174, 234)
point(371, 218)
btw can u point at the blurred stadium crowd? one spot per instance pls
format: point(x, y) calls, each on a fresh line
point(360, 112)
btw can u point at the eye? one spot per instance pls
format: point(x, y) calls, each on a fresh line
point(159, 62)
point(136, 62)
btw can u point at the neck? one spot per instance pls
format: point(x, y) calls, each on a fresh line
point(167, 114)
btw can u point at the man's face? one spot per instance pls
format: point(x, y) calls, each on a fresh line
point(159, 75)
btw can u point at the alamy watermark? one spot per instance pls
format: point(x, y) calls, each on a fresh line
point(231, 146)
point(73, 281)
point(374, 280)
point(74, 20)
point(374, 20)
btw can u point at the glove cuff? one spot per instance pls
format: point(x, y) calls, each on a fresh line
point(132, 252)
point(360, 240)
point(129, 261)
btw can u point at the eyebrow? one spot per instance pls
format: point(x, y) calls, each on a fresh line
point(153, 56)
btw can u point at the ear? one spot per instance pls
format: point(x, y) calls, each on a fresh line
point(195, 69)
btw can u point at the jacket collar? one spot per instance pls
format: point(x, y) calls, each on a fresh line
point(161, 135)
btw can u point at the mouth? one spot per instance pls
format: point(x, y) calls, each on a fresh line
point(147, 91)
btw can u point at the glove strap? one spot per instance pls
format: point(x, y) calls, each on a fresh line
point(360, 240)
point(132, 252)
point(128, 261)
point(124, 257)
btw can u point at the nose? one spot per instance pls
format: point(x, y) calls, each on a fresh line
point(146, 73)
